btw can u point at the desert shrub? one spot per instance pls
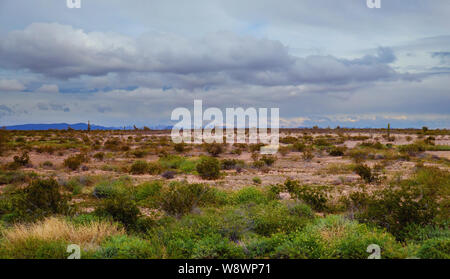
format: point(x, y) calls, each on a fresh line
point(414, 148)
point(22, 160)
point(168, 174)
point(4, 139)
point(99, 156)
point(109, 189)
point(299, 146)
point(406, 205)
point(47, 164)
point(307, 155)
point(128, 247)
point(113, 144)
point(322, 142)
point(39, 199)
point(50, 149)
point(139, 167)
point(214, 149)
point(337, 151)
point(154, 168)
point(148, 190)
point(358, 154)
point(179, 199)
point(301, 210)
point(288, 140)
point(259, 164)
point(256, 180)
point(315, 196)
point(75, 161)
point(180, 147)
point(263, 247)
point(302, 245)
point(49, 238)
point(256, 147)
point(284, 150)
point(269, 160)
point(365, 173)
point(208, 168)
point(34, 249)
point(139, 153)
point(435, 248)
point(249, 195)
point(121, 209)
point(275, 217)
point(217, 247)
point(229, 164)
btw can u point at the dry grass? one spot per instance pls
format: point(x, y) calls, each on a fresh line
point(56, 229)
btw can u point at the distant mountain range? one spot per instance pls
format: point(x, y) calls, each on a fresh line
point(76, 126)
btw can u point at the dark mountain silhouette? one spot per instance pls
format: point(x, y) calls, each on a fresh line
point(76, 126)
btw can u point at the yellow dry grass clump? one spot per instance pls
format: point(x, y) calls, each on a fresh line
point(56, 229)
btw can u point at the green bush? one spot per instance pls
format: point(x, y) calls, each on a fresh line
point(128, 247)
point(154, 168)
point(406, 204)
point(121, 209)
point(179, 199)
point(39, 199)
point(435, 248)
point(249, 195)
point(365, 173)
point(208, 168)
point(22, 160)
point(74, 162)
point(337, 151)
point(217, 247)
point(148, 190)
point(214, 149)
point(269, 160)
point(34, 249)
point(274, 217)
point(139, 167)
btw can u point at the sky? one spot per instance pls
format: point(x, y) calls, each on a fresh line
point(321, 62)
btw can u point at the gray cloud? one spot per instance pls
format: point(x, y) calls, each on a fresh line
point(221, 58)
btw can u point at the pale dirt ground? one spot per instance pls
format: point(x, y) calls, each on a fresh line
point(291, 166)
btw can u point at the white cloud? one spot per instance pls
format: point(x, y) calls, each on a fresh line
point(48, 88)
point(11, 85)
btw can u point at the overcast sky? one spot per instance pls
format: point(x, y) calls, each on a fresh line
point(322, 62)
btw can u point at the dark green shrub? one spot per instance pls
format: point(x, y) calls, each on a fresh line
point(154, 168)
point(39, 199)
point(22, 160)
point(139, 167)
point(298, 146)
point(99, 156)
point(365, 173)
point(148, 189)
point(337, 151)
point(435, 248)
point(128, 247)
point(121, 209)
point(214, 149)
point(180, 147)
point(249, 195)
point(208, 168)
point(217, 247)
point(269, 160)
point(74, 162)
point(396, 207)
point(179, 199)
